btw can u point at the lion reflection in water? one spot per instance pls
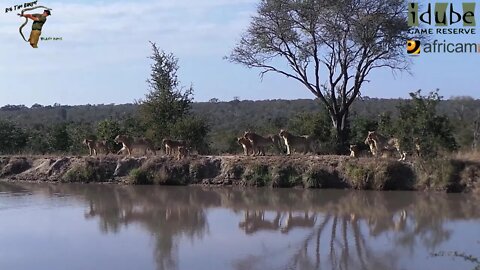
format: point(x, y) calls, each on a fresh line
point(255, 221)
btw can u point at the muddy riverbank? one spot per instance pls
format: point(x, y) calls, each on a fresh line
point(447, 175)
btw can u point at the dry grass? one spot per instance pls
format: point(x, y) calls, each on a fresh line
point(473, 156)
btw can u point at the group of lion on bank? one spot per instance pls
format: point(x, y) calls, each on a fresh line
point(379, 146)
point(254, 144)
point(177, 148)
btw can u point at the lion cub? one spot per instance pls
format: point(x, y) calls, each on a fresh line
point(246, 144)
point(95, 146)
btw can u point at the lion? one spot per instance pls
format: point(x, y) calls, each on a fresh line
point(246, 144)
point(356, 151)
point(182, 152)
point(382, 144)
point(296, 142)
point(371, 145)
point(171, 146)
point(259, 143)
point(94, 146)
point(129, 144)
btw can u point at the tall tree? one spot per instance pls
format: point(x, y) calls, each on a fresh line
point(342, 39)
point(166, 110)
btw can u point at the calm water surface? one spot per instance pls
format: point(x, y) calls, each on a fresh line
point(115, 227)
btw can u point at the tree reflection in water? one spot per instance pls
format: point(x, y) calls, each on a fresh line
point(341, 227)
point(167, 215)
point(338, 228)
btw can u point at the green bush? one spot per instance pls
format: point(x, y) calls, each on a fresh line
point(286, 177)
point(140, 176)
point(80, 174)
point(321, 178)
point(360, 177)
point(258, 176)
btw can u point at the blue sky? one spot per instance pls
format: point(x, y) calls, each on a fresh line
point(103, 57)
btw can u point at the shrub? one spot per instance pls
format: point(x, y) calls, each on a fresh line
point(140, 176)
point(258, 176)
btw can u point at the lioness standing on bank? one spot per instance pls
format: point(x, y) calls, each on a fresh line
point(259, 143)
point(130, 143)
point(297, 143)
point(246, 144)
point(383, 144)
point(95, 146)
point(172, 146)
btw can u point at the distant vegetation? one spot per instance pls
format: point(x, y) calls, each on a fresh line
point(60, 129)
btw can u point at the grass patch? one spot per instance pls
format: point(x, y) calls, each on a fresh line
point(79, 174)
point(140, 177)
point(258, 176)
point(171, 174)
point(440, 174)
point(86, 172)
point(286, 176)
point(321, 178)
point(360, 177)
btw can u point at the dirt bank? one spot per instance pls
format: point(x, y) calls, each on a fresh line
point(271, 171)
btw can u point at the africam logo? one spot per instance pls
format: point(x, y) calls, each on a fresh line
point(413, 47)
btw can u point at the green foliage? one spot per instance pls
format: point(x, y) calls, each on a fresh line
point(418, 122)
point(286, 176)
point(59, 139)
point(315, 177)
point(77, 133)
point(86, 173)
point(258, 176)
point(226, 142)
point(140, 177)
point(386, 124)
point(79, 174)
point(167, 102)
point(311, 124)
point(37, 142)
point(316, 124)
point(360, 127)
point(229, 120)
point(193, 130)
point(12, 138)
point(166, 110)
point(361, 177)
point(134, 127)
point(107, 130)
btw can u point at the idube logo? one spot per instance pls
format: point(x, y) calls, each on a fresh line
point(444, 14)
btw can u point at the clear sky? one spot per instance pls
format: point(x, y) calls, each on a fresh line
point(103, 57)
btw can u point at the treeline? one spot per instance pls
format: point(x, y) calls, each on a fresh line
point(61, 129)
point(226, 115)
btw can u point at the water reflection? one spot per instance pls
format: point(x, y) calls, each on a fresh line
point(305, 229)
